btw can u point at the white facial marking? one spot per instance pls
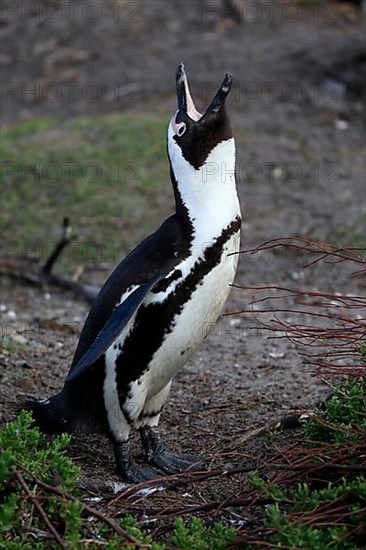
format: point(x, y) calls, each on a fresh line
point(181, 128)
point(178, 127)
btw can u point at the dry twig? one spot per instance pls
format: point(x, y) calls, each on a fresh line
point(92, 511)
point(30, 270)
point(60, 541)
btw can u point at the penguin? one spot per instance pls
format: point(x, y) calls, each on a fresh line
point(161, 300)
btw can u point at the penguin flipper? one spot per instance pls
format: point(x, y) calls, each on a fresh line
point(113, 327)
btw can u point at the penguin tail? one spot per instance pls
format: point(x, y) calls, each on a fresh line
point(53, 415)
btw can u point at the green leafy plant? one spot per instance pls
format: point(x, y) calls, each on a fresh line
point(320, 513)
point(40, 500)
point(309, 520)
point(25, 456)
point(10, 344)
point(343, 418)
point(201, 537)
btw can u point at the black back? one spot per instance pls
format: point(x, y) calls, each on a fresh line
point(162, 250)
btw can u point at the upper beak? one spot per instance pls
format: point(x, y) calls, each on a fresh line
point(185, 101)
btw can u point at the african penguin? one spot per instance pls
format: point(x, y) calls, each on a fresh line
point(159, 303)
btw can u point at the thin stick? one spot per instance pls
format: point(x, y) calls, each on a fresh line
point(65, 239)
point(109, 521)
point(215, 505)
point(39, 275)
point(40, 510)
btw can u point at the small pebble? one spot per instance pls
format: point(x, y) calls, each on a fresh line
point(276, 354)
point(19, 339)
point(341, 124)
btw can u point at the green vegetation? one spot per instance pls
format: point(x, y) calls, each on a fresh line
point(350, 234)
point(327, 510)
point(23, 450)
point(37, 474)
point(308, 521)
point(200, 537)
point(343, 418)
point(105, 173)
point(11, 344)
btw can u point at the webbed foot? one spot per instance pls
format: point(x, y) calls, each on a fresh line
point(158, 455)
point(129, 470)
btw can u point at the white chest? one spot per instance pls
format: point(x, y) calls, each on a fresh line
point(193, 322)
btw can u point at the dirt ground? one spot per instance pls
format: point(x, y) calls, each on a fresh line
point(297, 111)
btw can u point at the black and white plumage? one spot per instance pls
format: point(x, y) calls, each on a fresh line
point(159, 303)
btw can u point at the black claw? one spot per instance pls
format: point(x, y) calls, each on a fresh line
point(127, 469)
point(158, 455)
point(137, 474)
point(174, 462)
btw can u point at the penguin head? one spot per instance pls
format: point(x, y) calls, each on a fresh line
point(193, 136)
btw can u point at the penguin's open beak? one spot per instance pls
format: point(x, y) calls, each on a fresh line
point(185, 101)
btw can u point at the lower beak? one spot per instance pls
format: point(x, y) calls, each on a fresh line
point(221, 95)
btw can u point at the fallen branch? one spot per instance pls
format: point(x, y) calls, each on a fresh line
point(92, 511)
point(60, 541)
point(65, 240)
point(30, 270)
point(214, 505)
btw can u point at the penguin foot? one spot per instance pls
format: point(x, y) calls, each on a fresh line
point(158, 455)
point(128, 470)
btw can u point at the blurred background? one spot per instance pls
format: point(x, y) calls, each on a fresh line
point(296, 107)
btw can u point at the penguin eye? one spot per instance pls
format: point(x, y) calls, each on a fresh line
point(182, 129)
